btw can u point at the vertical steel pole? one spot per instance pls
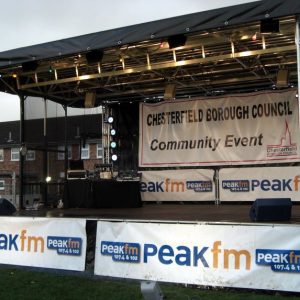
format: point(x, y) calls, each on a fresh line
point(297, 41)
point(22, 157)
point(66, 141)
point(45, 157)
point(217, 184)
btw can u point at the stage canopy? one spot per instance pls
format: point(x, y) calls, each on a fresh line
point(228, 50)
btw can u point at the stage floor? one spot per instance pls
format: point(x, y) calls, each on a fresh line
point(185, 212)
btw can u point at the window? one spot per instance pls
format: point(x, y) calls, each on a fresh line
point(1, 155)
point(61, 155)
point(85, 152)
point(30, 155)
point(15, 154)
point(2, 185)
point(99, 150)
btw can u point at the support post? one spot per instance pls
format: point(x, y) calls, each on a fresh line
point(66, 141)
point(297, 41)
point(22, 157)
point(217, 185)
point(45, 157)
point(151, 290)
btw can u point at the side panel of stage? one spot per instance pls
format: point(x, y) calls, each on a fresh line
point(259, 256)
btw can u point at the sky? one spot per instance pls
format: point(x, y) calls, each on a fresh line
point(30, 22)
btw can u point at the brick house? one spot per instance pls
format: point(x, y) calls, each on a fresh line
point(45, 156)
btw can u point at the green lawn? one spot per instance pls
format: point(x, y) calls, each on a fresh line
point(25, 284)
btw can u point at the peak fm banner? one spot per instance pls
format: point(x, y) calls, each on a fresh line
point(242, 256)
point(174, 185)
point(43, 242)
point(241, 129)
point(248, 184)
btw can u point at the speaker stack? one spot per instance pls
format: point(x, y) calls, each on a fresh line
point(271, 209)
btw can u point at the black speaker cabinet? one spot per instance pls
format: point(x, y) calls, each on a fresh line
point(6, 207)
point(271, 209)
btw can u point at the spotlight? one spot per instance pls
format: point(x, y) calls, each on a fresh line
point(113, 132)
point(269, 26)
point(94, 56)
point(113, 144)
point(23, 150)
point(175, 41)
point(114, 157)
point(110, 119)
point(29, 66)
point(48, 178)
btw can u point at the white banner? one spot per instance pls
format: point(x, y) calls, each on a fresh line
point(256, 257)
point(43, 242)
point(248, 184)
point(241, 129)
point(178, 185)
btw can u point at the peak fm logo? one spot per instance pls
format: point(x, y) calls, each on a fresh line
point(279, 260)
point(265, 185)
point(25, 242)
point(214, 256)
point(65, 245)
point(236, 185)
point(123, 252)
point(176, 186)
point(285, 147)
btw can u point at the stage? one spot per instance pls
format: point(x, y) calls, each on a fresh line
point(163, 212)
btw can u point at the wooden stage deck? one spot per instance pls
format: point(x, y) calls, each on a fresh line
point(186, 212)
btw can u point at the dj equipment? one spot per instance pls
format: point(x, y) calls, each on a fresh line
point(6, 207)
point(76, 174)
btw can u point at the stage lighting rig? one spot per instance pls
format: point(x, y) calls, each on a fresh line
point(110, 119)
point(113, 132)
point(113, 144)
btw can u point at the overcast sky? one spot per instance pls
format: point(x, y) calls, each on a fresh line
point(29, 22)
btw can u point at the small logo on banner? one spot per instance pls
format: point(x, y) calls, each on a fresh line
point(236, 185)
point(199, 186)
point(285, 148)
point(123, 252)
point(279, 260)
point(65, 245)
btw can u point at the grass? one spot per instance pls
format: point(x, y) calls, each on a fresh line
point(18, 283)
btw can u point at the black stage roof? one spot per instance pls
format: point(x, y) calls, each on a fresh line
point(135, 62)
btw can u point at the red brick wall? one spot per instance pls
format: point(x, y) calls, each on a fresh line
point(56, 167)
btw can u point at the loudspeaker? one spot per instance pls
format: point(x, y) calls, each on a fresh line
point(175, 41)
point(29, 66)
point(269, 26)
point(6, 207)
point(94, 56)
point(170, 90)
point(282, 79)
point(90, 98)
point(271, 209)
